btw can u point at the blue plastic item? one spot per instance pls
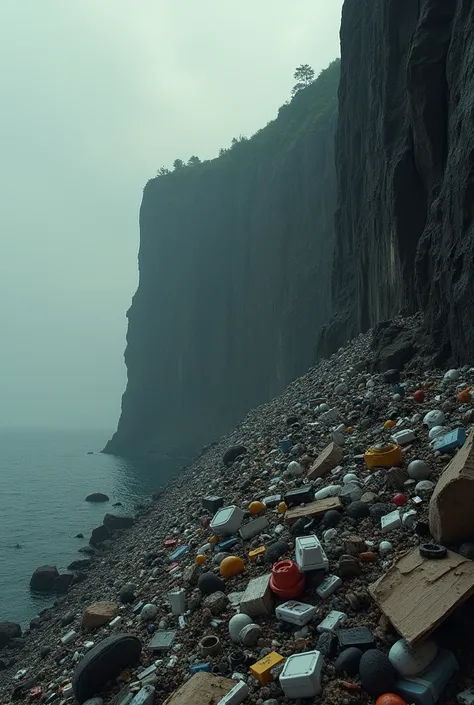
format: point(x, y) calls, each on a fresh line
point(285, 445)
point(179, 552)
point(451, 441)
point(224, 546)
point(201, 667)
point(427, 687)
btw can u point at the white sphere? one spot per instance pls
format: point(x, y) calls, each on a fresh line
point(410, 661)
point(385, 548)
point(236, 624)
point(453, 375)
point(437, 431)
point(294, 469)
point(434, 418)
point(149, 612)
point(419, 470)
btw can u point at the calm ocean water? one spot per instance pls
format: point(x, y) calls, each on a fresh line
point(45, 476)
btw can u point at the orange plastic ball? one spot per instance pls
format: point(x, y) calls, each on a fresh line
point(282, 507)
point(390, 699)
point(200, 559)
point(230, 566)
point(256, 507)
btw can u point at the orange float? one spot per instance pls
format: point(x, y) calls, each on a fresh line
point(256, 507)
point(390, 699)
point(230, 566)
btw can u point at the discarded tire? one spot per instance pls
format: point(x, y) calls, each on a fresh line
point(104, 662)
point(432, 550)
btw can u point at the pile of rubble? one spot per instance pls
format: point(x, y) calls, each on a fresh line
point(321, 550)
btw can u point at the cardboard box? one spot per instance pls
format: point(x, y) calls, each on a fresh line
point(417, 594)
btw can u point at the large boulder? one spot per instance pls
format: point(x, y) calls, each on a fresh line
point(450, 513)
point(97, 497)
point(8, 631)
point(98, 614)
point(99, 535)
point(117, 521)
point(43, 578)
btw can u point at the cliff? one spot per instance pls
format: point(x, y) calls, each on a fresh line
point(234, 262)
point(405, 168)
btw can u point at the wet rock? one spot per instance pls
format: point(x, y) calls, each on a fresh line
point(8, 631)
point(348, 662)
point(209, 583)
point(274, 552)
point(127, 593)
point(348, 567)
point(99, 535)
point(233, 453)
point(97, 497)
point(116, 521)
point(43, 578)
point(359, 510)
point(378, 510)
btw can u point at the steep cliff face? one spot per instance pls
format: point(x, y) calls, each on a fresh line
point(405, 167)
point(235, 259)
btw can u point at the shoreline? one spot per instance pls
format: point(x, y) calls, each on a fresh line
point(140, 557)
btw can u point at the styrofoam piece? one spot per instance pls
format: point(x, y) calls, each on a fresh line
point(301, 675)
point(253, 528)
point(404, 437)
point(295, 612)
point(328, 586)
point(68, 637)
point(235, 696)
point(227, 521)
point(310, 554)
point(332, 621)
point(177, 601)
point(391, 521)
point(145, 696)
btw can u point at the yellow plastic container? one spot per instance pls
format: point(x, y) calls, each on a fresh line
point(261, 669)
point(385, 457)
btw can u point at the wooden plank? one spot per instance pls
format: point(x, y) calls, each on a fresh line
point(417, 594)
point(202, 689)
point(313, 509)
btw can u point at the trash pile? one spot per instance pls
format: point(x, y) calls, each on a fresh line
point(323, 550)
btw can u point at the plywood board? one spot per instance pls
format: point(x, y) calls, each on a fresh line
point(417, 594)
point(202, 689)
point(313, 509)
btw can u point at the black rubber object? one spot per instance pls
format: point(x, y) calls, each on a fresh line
point(105, 661)
point(432, 550)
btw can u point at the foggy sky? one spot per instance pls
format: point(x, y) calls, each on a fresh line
point(96, 95)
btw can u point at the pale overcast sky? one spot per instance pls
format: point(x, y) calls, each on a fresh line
point(95, 96)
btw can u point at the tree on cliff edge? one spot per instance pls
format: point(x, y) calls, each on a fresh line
point(304, 76)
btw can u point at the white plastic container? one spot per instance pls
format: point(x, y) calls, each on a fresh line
point(227, 521)
point(294, 612)
point(310, 554)
point(301, 675)
point(177, 601)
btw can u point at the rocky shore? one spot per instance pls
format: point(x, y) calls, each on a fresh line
point(309, 445)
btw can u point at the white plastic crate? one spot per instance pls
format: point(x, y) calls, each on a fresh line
point(295, 612)
point(310, 554)
point(301, 675)
point(227, 521)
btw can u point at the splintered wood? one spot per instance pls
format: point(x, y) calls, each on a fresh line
point(313, 509)
point(417, 594)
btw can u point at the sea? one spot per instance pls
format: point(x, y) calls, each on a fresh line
point(45, 476)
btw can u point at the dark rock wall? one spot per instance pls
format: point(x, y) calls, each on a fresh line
point(404, 155)
point(235, 260)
